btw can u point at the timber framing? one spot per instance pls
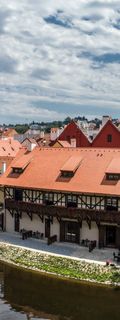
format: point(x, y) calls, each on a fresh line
point(83, 201)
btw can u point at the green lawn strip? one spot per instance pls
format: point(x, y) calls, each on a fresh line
point(59, 265)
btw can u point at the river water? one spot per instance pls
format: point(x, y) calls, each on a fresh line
point(27, 295)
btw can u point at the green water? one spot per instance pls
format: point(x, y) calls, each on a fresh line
point(29, 295)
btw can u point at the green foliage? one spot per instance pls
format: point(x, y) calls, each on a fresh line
point(21, 128)
point(67, 120)
point(60, 266)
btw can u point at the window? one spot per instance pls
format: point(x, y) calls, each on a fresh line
point(113, 176)
point(49, 198)
point(71, 231)
point(112, 204)
point(59, 199)
point(67, 174)
point(71, 201)
point(17, 170)
point(109, 138)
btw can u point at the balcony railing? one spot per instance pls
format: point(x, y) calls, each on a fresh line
point(71, 212)
point(71, 204)
point(111, 208)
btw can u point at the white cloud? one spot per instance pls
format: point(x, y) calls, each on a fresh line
point(49, 62)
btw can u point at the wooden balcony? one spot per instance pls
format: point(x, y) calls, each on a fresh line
point(63, 212)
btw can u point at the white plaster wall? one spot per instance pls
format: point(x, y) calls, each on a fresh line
point(35, 224)
point(9, 222)
point(90, 234)
point(55, 228)
point(59, 198)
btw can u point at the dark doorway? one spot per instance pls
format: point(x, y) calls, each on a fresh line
point(18, 194)
point(17, 222)
point(47, 228)
point(70, 231)
point(111, 236)
point(1, 221)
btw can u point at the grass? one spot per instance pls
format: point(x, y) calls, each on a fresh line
point(76, 269)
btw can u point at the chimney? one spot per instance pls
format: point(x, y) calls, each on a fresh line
point(31, 145)
point(4, 165)
point(42, 134)
point(73, 143)
point(105, 119)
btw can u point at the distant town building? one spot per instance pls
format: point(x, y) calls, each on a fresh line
point(55, 133)
point(8, 133)
point(8, 150)
point(29, 143)
point(89, 135)
point(74, 135)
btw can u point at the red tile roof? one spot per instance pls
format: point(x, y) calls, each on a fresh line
point(9, 147)
point(31, 140)
point(44, 171)
point(64, 144)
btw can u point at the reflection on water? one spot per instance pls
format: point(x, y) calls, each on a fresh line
point(31, 296)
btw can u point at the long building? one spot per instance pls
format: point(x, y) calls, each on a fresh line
point(73, 193)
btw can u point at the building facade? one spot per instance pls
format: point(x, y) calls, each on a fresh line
point(71, 193)
point(107, 137)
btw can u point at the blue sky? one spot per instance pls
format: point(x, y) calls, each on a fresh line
point(59, 58)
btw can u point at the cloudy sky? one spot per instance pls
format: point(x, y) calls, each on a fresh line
point(59, 58)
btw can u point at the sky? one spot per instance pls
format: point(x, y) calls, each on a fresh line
point(59, 58)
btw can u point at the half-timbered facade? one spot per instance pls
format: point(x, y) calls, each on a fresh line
point(71, 193)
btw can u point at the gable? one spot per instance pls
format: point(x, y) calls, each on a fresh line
point(72, 131)
point(108, 137)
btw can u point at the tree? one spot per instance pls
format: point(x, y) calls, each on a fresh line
point(67, 120)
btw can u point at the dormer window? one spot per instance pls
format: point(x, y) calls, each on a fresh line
point(67, 174)
point(21, 164)
point(113, 176)
point(17, 170)
point(113, 170)
point(70, 167)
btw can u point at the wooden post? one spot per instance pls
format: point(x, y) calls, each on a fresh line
point(102, 236)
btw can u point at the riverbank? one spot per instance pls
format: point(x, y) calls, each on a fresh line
point(60, 266)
